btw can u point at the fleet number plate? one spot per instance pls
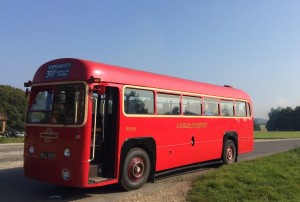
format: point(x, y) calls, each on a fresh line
point(48, 155)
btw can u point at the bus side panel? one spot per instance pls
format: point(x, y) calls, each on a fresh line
point(209, 144)
point(174, 137)
point(245, 135)
point(173, 147)
point(209, 141)
point(174, 144)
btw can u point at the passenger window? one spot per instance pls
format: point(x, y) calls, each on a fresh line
point(211, 107)
point(226, 107)
point(248, 110)
point(137, 101)
point(168, 104)
point(240, 109)
point(191, 106)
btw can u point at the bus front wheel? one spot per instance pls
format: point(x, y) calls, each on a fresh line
point(229, 155)
point(136, 169)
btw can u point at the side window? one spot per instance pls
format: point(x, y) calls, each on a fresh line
point(168, 104)
point(211, 107)
point(137, 101)
point(240, 108)
point(248, 110)
point(191, 106)
point(226, 107)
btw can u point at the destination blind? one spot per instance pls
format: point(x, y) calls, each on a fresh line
point(58, 71)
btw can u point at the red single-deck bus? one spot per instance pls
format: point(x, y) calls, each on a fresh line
point(91, 124)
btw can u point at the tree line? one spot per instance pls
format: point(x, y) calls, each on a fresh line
point(284, 119)
point(13, 105)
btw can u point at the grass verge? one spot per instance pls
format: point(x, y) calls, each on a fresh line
point(276, 134)
point(272, 178)
point(11, 140)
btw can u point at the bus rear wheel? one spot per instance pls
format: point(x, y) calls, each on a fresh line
point(229, 155)
point(136, 169)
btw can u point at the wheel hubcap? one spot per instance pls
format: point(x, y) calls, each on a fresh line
point(229, 154)
point(136, 169)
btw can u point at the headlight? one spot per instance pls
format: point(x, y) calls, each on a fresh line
point(31, 149)
point(67, 153)
point(66, 174)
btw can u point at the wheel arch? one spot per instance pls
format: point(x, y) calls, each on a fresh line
point(146, 143)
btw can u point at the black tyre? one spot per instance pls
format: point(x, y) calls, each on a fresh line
point(229, 155)
point(135, 170)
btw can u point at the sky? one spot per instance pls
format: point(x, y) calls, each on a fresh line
point(251, 45)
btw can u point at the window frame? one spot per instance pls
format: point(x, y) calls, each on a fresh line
point(74, 114)
point(227, 108)
point(238, 112)
point(168, 108)
point(187, 98)
point(211, 106)
point(140, 106)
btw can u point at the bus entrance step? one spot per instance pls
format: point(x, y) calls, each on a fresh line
point(95, 170)
point(98, 179)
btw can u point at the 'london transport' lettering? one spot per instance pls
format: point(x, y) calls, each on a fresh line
point(191, 125)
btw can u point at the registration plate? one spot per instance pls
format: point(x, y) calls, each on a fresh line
point(48, 155)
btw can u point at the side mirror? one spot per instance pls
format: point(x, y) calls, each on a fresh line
point(100, 90)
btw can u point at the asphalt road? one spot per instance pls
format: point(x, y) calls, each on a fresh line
point(15, 187)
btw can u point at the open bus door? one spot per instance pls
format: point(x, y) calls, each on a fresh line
point(103, 135)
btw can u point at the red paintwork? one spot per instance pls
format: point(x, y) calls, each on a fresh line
point(83, 69)
point(173, 145)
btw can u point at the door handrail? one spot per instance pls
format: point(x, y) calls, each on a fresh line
point(95, 127)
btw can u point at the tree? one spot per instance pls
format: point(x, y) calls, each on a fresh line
point(284, 119)
point(273, 116)
point(13, 105)
point(296, 119)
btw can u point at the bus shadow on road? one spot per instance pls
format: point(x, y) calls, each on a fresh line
point(14, 186)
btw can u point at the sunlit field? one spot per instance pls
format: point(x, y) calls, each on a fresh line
point(264, 179)
point(276, 134)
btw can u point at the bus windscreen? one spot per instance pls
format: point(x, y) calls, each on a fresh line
point(60, 104)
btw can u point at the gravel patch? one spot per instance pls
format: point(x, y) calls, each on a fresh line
point(166, 191)
point(11, 155)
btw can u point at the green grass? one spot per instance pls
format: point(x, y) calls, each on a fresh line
point(273, 178)
point(276, 134)
point(11, 140)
